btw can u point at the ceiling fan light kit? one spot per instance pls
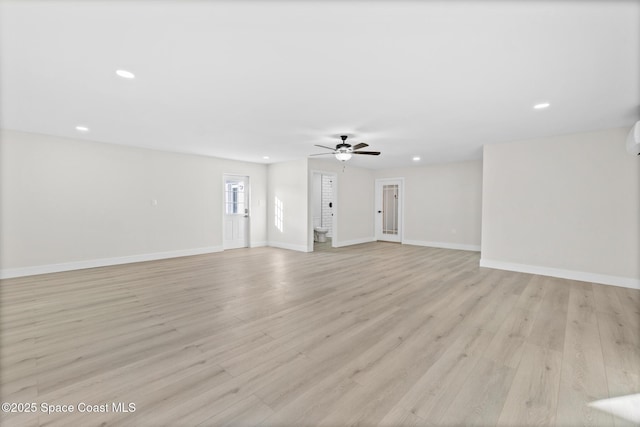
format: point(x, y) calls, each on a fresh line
point(343, 156)
point(344, 151)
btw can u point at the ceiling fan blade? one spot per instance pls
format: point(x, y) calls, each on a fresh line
point(371, 153)
point(320, 154)
point(324, 146)
point(360, 145)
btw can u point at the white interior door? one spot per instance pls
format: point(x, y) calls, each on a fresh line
point(236, 212)
point(389, 210)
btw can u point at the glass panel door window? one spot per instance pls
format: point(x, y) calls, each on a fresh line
point(390, 209)
point(234, 198)
point(388, 212)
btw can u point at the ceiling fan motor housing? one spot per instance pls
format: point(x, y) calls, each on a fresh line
point(343, 151)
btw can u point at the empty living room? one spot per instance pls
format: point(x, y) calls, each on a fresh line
point(319, 213)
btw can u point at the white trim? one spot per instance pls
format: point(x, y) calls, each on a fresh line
point(291, 247)
point(625, 282)
point(102, 262)
point(259, 244)
point(444, 245)
point(354, 242)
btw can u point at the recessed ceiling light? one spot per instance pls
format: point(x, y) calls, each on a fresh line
point(265, 157)
point(125, 74)
point(416, 158)
point(541, 105)
point(82, 129)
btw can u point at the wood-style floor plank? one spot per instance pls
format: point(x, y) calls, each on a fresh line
point(373, 334)
point(482, 397)
point(533, 395)
point(583, 370)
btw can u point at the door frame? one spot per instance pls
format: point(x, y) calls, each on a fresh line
point(224, 212)
point(336, 205)
point(378, 204)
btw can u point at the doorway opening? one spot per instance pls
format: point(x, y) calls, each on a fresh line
point(323, 210)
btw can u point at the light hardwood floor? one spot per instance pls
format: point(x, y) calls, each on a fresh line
point(374, 334)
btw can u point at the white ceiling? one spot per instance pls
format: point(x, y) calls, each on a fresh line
point(246, 79)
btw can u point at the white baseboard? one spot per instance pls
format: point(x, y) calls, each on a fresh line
point(291, 247)
point(340, 244)
point(625, 282)
point(444, 245)
point(259, 244)
point(8, 273)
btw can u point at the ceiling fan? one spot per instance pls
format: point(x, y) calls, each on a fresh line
point(343, 151)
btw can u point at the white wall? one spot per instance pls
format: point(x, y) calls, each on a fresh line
point(353, 203)
point(566, 206)
point(289, 182)
point(71, 204)
point(442, 204)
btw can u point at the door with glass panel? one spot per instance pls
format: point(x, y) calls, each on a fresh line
point(389, 210)
point(236, 212)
